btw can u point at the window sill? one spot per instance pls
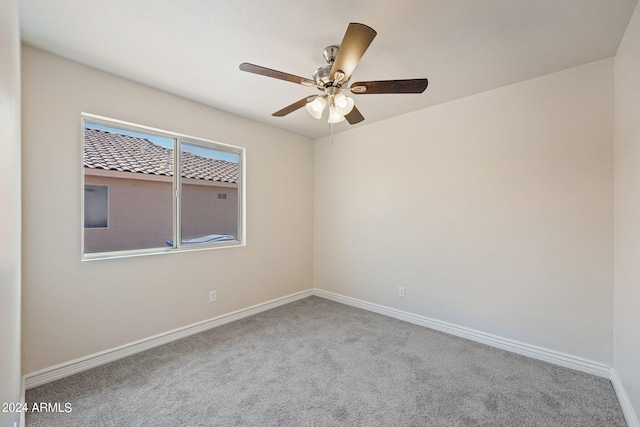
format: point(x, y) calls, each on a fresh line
point(160, 251)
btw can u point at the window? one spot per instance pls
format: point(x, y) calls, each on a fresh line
point(96, 202)
point(152, 191)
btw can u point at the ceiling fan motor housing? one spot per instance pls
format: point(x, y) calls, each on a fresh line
point(322, 75)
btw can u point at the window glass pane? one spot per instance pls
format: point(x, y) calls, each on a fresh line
point(135, 204)
point(138, 169)
point(209, 195)
point(95, 206)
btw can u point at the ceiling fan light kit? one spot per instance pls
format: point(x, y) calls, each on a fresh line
point(344, 103)
point(332, 79)
point(334, 115)
point(315, 106)
point(339, 105)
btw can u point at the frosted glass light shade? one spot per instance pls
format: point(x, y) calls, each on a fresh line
point(316, 107)
point(343, 103)
point(334, 116)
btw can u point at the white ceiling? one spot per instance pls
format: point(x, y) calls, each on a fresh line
point(193, 48)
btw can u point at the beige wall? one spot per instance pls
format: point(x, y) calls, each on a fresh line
point(493, 211)
point(627, 213)
point(73, 308)
point(9, 209)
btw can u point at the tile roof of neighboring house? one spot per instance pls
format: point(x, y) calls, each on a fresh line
point(114, 151)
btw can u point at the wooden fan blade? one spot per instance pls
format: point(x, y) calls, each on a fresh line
point(390, 86)
point(291, 108)
point(263, 71)
point(354, 44)
point(354, 116)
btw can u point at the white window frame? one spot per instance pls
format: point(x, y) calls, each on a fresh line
point(178, 138)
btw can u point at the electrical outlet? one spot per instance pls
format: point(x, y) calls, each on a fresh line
point(401, 291)
point(212, 296)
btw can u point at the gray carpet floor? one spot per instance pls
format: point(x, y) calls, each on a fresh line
point(315, 362)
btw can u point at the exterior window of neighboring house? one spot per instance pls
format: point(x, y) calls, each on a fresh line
point(96, 206)
point(152, 191)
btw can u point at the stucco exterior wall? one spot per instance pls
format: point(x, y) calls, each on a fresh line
point(141, 212)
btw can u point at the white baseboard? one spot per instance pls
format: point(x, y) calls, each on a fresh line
point(535, 352)
point(623, 398)
point(62, 370)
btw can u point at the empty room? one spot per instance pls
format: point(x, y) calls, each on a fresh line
point(286, 213)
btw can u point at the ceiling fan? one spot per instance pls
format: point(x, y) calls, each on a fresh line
point(333, 79)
